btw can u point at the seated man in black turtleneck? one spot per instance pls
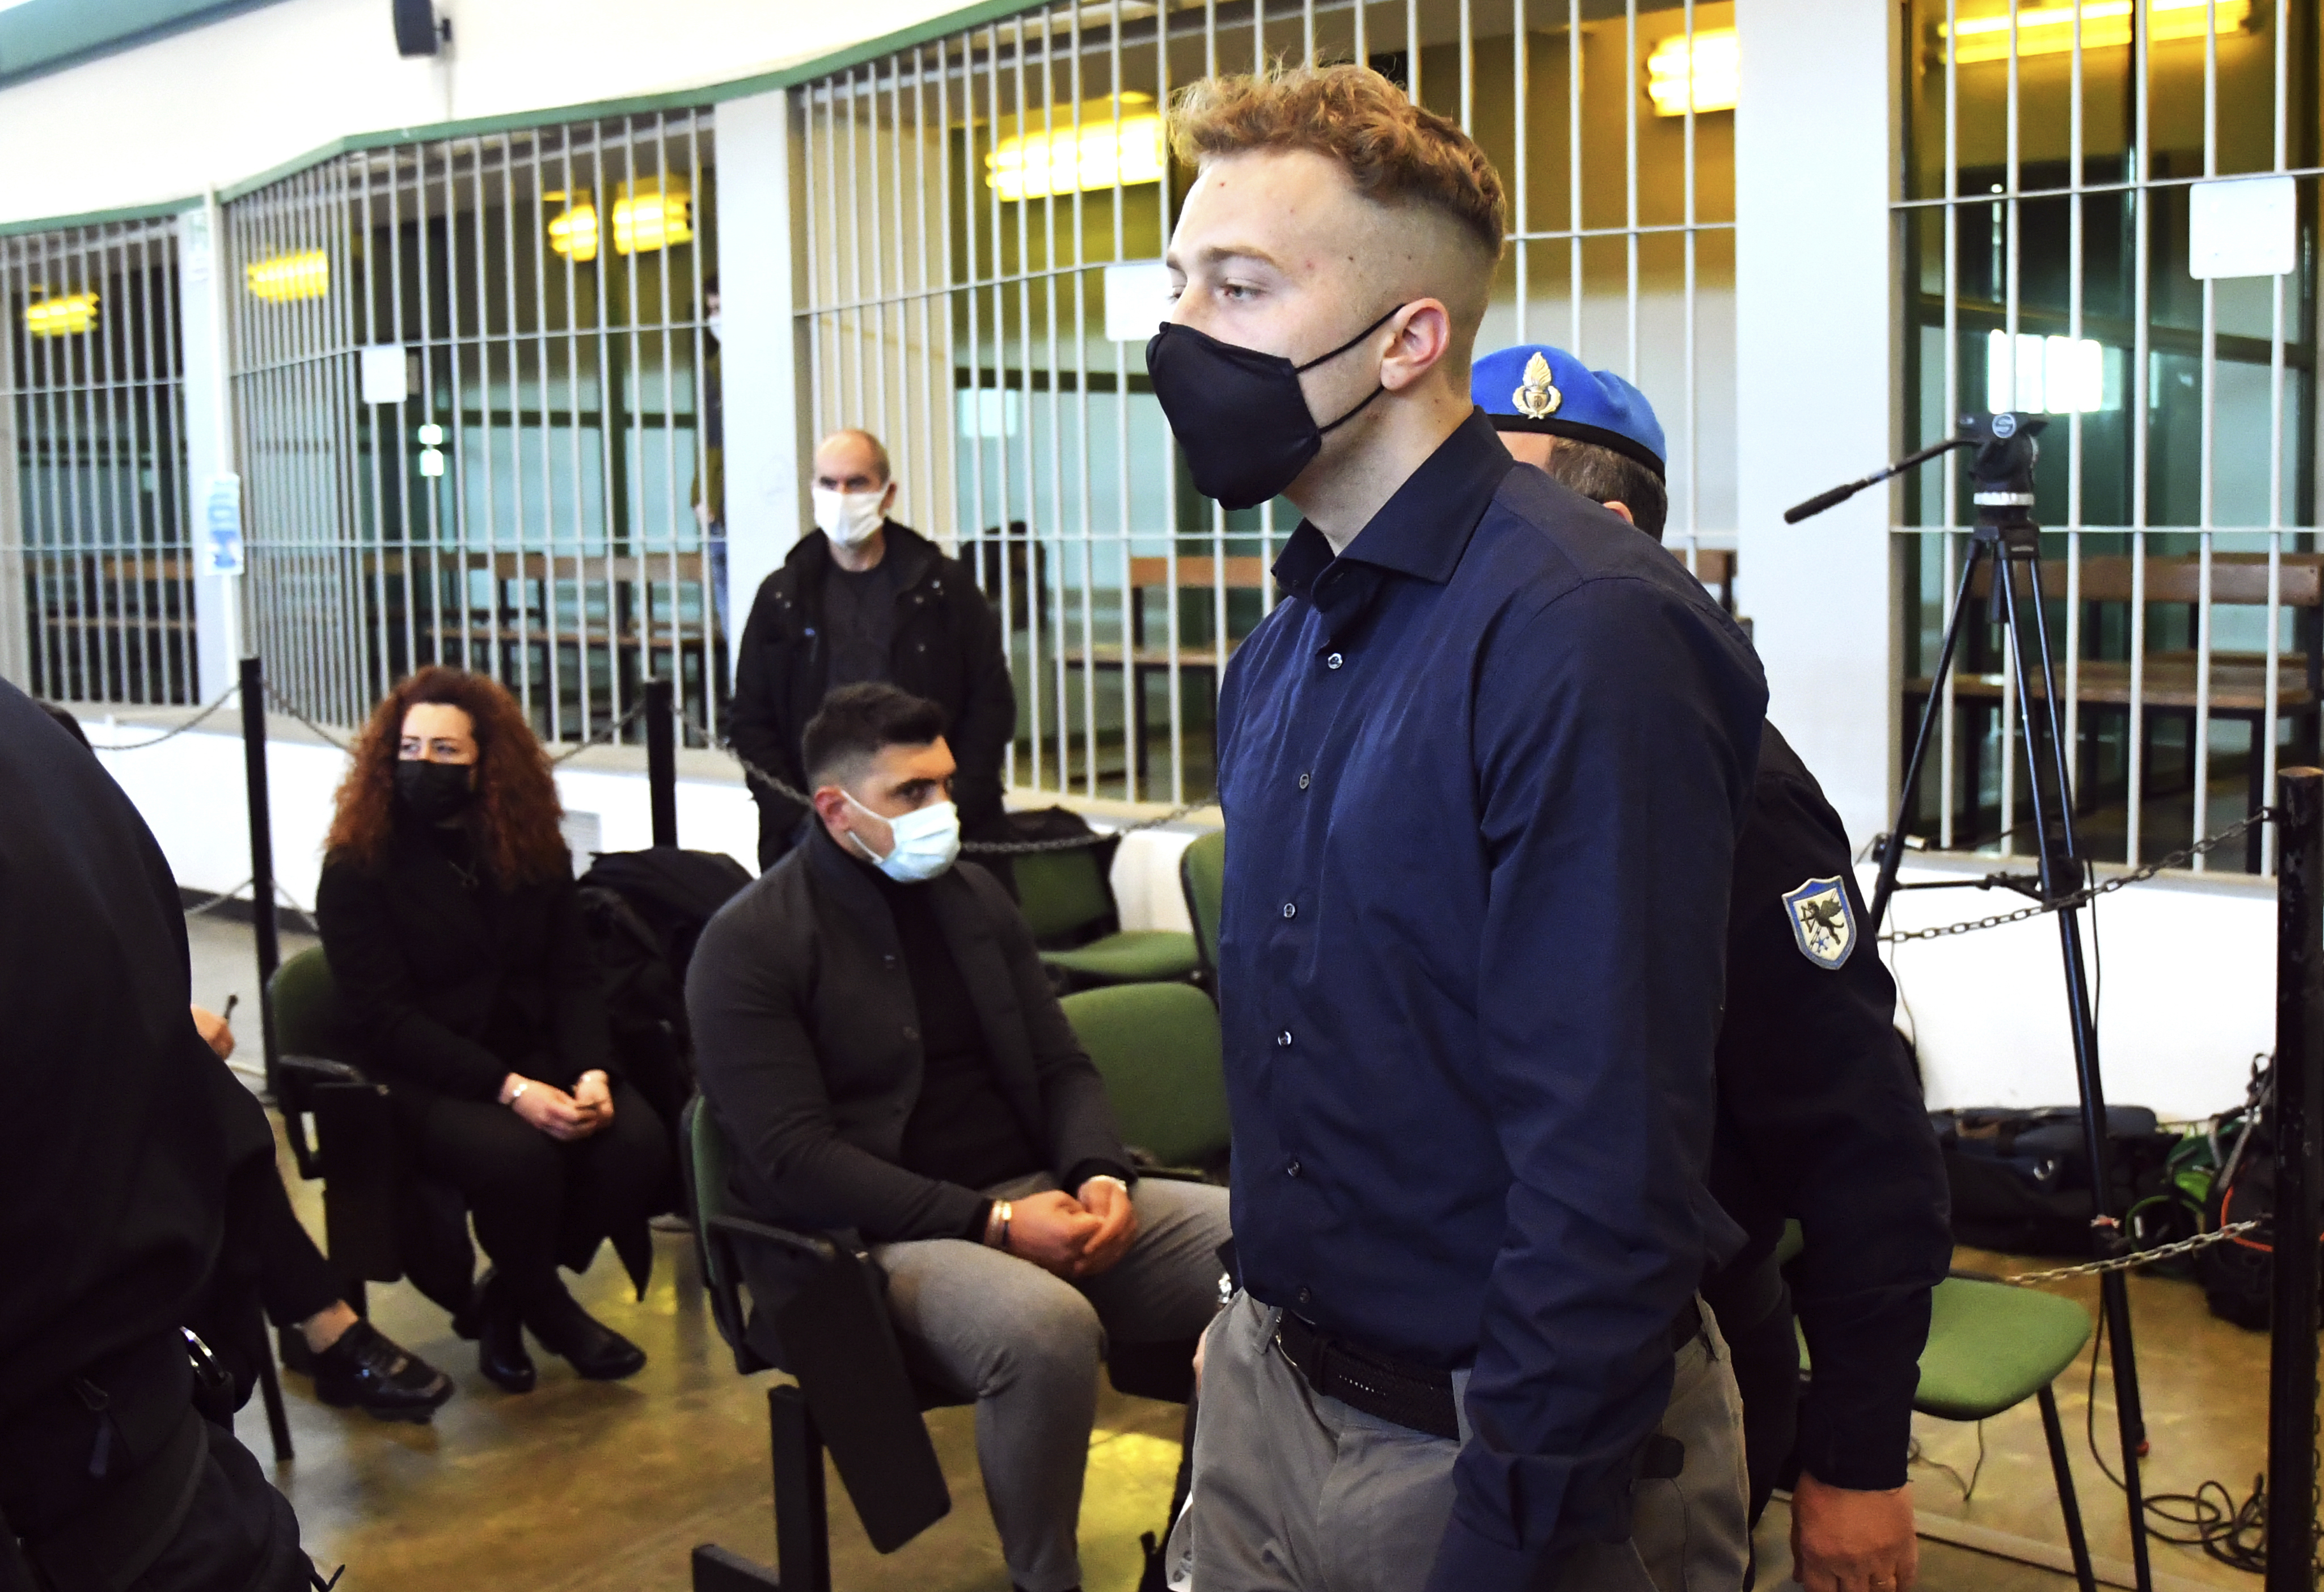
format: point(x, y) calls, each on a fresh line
point(879, 1041)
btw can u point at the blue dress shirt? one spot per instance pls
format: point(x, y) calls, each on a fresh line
point(1483, 774)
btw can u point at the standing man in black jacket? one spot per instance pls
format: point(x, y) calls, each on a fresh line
point(866, 598)
point(1819, 1115)
point(876, 1036)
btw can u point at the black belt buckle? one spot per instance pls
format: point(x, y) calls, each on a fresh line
point(1417, 1397)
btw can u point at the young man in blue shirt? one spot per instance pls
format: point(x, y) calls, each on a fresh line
point(1482, 769)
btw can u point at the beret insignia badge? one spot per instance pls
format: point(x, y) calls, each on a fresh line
point(1537, 399)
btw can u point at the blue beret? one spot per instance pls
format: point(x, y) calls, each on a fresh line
point(1533, 387)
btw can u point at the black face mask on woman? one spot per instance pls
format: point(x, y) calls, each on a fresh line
point(433, 791)
point(1238, 413)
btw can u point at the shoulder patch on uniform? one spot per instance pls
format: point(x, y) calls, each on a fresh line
point(1823, 923)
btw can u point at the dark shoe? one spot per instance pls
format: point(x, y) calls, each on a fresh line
point(366, 1369)
point(595, 1349)
point(499, 1337)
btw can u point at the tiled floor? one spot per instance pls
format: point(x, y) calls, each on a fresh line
point(588, 1488)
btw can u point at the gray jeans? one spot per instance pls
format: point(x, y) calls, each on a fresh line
point(1297, 1493)
point(1025, 1345)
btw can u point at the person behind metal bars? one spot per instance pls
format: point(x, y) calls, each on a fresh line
point(1482, 769)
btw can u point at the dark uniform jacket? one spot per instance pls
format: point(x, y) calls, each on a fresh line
point(113, 1145)
point(947, 648)
point(1820, 1119)
point(806, 1046)
point(447, 988)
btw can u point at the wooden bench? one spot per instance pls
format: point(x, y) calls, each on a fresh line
point(2238, 684)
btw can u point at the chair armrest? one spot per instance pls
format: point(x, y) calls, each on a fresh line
point(315, 1069)
point(296, 1080)
point(814, 1248)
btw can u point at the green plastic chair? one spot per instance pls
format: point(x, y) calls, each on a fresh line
point(1203, 876)
point(1156, 1046)
point(1992, 1346)
point(1064, 897)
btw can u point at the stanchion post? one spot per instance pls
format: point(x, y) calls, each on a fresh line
point(2297, 1112)
point(661, 761)
point(262, 851)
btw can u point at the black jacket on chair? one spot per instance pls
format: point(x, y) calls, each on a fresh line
point(806, 1046)
point(947, 648)
point(447, 988)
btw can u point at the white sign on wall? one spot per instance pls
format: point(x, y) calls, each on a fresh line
point(1137, 299)
point(2243, 227)
point(386, 373)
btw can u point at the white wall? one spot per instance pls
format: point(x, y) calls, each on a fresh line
point(1814, 144)
point(221, 103)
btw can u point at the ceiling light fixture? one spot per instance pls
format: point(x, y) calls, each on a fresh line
point(284, 279)
point(60, 315)
point(2049, 30)
point(1713, 66)
point(1108, 147)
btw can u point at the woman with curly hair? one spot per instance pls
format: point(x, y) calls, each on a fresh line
point(451, 922)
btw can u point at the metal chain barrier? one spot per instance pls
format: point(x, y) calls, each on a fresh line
point(986, 847)
point(293, 709)
point(601, 737)
point(220, 700)
point(2085, 896)
point(2126, 1262)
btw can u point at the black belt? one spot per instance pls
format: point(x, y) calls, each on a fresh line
point(1416, 1396)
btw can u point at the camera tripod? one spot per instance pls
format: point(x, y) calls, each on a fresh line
point(2007, 541)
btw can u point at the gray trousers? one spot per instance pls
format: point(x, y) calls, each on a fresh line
point(1297, 1493)
point(1025, 1345)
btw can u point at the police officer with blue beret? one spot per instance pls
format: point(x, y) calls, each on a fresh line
point(1820, 1114)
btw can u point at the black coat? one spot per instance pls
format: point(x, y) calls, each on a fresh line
point(447, 989)
point(1821, 1117)
point(807, 1047)
point(112, 1148)
point(947, 648)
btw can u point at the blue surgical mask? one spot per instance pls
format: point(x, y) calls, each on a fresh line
point(926, 840)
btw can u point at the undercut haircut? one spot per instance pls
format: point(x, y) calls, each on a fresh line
point(1603, 475)
point(1396, 152)
point(856, 723)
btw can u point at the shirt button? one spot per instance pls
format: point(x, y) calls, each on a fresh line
point(910, 1032)
point(1283, 1040)
point(1305, 1296)
point(1290, 911)
point(1291, 1167)
point(1302, 782)
point(1333, 662)
point(886, 961)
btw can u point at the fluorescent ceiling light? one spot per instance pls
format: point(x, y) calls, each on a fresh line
point(284, 279)
point(1108, 147)
point(2049, 30)
point(1714, 68)
point(62, 315)
point(649, 215)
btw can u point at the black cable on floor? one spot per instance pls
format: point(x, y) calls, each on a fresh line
point(2210, 1518)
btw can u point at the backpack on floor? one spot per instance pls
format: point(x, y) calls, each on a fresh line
point(2021, 1178)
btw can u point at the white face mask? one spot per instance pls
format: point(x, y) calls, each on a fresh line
point(926, 840)
point(711, 323)
point(849, 518)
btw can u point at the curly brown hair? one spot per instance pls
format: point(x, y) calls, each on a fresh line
point(515, 814)
point(1395, 152)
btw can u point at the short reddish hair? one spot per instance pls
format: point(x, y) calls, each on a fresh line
point(1395, 152)
point(514, 816)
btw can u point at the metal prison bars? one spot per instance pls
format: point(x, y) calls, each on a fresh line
point(469, 380)
point(2056, 160)
point(96, 569)
point(984, 217)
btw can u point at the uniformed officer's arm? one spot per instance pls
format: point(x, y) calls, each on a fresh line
point(1813, 1078)
point(1615, 737)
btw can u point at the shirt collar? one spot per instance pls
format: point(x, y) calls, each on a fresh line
point(1425, 528)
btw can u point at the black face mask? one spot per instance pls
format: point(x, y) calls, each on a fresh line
point(433, 791)
point(1238, 413)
